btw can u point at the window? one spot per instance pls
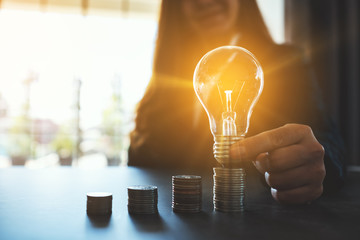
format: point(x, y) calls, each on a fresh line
point(273, 13)
point(69, 82)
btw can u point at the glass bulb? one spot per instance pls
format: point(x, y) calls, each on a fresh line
point(228, 82)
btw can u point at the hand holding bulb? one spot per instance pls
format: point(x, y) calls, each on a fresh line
point(228, 82)
point(291, 159)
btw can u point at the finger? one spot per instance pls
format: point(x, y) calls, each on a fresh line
point(261, 162)
point(268, 141)
point(309, 174)
point(294, 156)
point(287, 158)
point(299, 195)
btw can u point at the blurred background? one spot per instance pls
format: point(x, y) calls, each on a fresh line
point(72, 71)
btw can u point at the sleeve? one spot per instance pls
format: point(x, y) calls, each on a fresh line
point(330, 138)
point(327, 133)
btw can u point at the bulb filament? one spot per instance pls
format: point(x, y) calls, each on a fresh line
point(228, 100)
point(229, 126)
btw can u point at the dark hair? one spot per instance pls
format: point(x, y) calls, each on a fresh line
point(177, 50)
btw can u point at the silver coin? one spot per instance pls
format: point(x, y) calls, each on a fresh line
point(95, 195)
point(142, 188)
point(229, 189)
point(187, 177)
point(229, 210)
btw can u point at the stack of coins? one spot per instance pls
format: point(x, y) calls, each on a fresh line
point(142, 199)
point(99, 203)
point(186, 193)
point(229, 189)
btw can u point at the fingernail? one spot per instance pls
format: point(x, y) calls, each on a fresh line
point(266, 176)
point(274, 193)
point(257, 164)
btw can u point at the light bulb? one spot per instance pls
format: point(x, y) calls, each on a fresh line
point(228, 82)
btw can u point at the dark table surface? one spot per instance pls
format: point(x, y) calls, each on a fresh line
point(51, 204)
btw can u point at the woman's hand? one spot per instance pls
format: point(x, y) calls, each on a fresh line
point(291, 159)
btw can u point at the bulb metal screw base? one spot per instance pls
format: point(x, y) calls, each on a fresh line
point(222, 148)
point(229, 181)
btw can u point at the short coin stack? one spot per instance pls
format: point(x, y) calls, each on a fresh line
point(229, 189)
point(186, 193)
point(99, 203)
point(142, 199)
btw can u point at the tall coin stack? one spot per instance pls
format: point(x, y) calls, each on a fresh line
point(229, 189)
point(186, 193)
point(99, 203)
point(142, 199)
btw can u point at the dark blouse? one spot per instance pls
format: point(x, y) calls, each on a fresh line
point(172, 129)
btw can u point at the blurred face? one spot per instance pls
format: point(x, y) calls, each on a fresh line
point(211, 17)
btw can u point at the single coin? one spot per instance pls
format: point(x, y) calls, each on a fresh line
point(190, 177)
point(142, 188)
point(99, 195)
